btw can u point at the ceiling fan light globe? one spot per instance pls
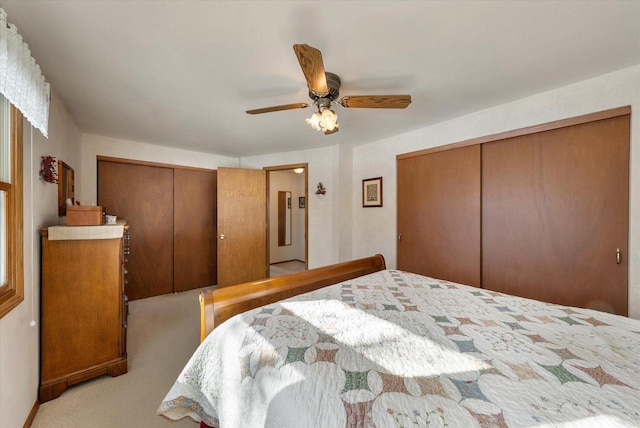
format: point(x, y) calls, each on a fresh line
point(329, 120)
point(314, 121)
point(329, 114)
point(329, 126)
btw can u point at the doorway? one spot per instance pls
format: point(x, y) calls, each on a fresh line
point(287, 219)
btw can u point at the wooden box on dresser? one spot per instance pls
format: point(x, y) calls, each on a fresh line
point(83, 305)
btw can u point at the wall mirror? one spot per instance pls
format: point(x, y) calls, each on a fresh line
point(65, 187)
point(284, 218)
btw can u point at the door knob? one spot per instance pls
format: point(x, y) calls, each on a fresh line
point(221, 236)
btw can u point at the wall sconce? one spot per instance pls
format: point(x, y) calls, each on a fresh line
point(321, 190)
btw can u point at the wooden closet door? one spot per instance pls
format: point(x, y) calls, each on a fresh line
point(142, 195)
point(194, 229)
point(555, 210)
point(439, 215)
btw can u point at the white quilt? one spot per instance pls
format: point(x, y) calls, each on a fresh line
point(394, 349)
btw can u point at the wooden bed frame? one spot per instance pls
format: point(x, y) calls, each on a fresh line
point(217, 306)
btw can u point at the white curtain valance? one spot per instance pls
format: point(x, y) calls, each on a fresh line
point(21, 80)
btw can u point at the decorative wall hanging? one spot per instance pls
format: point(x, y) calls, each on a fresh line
point(49, 169)
point(372, 192)
point(21, 80)
point(321, 190)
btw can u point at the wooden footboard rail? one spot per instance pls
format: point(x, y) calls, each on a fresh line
point(217, 306)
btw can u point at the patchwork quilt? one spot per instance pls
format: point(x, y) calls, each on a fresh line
point(395, 349)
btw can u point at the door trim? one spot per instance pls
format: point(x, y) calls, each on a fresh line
point(563, 123)
point(156, 164)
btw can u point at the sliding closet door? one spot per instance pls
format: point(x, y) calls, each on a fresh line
point(194, 229)
point(439, 214)
point(142, 195)
point(555, 213)
point(172, 216)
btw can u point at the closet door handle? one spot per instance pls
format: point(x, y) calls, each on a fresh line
point(618, 256)
point(221, 236)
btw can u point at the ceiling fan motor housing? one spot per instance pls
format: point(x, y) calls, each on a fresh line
point(333, 83)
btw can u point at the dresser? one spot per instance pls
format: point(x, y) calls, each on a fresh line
point(83, 305)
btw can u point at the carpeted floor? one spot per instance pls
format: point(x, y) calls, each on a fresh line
point(284, 268)
point(163, 333)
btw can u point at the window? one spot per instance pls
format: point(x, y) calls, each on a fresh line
point(11, 223)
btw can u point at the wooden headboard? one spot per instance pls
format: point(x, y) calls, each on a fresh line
point(217, 306)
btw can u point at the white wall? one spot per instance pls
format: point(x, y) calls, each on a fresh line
point(374, 230)
point(19, 343)
point(95, 145)
point(287, 181)
point(343, 216)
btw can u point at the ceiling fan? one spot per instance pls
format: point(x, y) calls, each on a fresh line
point(324, 88)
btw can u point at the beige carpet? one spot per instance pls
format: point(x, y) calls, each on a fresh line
point(163, 333)
point(284, 268)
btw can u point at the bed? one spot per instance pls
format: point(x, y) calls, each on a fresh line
point(359, 345)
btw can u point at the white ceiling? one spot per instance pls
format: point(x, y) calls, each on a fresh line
point(182, 73)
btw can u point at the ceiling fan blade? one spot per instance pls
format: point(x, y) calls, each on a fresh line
point(376, 101)
point(278, 108)
point(310, 60)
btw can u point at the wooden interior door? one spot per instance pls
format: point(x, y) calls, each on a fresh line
point(142, 195)
point(555, 210)
point(242, 225)
point(439, 214)
point(195, 222)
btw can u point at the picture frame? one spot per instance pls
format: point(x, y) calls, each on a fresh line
point(301, 202)
point(372, 192)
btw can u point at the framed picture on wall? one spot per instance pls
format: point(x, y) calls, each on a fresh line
point(301, 202)
point(372, 192)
